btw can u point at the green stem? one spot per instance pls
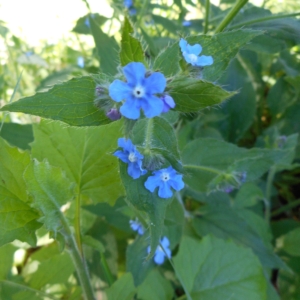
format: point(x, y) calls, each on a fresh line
point(202, 168)
point(267, 200)
point(285, 208)
point(142, 12)
point(149, 132)
point(78, 261)
point(260, 20)
point(108, 274)
point(77, 224)
point(24, 287)
point(232, 13)
point(207, 11)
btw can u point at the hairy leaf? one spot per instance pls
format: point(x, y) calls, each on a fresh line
point(71, 102)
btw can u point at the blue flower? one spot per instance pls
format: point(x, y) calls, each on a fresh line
point(137, 226)
point(186, 23)
point(80, 61)
point(87, 22)
point(161, 251)
point(168, 103)
point(190, 54)
point(138, 91)
point(164, 179)
point(132, 157)
point(128, 3)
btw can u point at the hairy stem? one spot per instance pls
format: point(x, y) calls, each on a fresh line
point(77, 224)
point(78, 261)
point(207, 11)
point(232, 13)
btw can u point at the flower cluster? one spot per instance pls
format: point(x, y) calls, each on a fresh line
point(164, 179)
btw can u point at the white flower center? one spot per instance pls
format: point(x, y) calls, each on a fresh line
point(193, 57)
point(132, 157)
point(138, 92)
point(165, 176)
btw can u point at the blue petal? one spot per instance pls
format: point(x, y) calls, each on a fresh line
point(165, 242)
point(141, 230)
point(134, 73)
point(131, 109)
point(176, 183)
point(152, 106)
point(204, 60)
point(152, 182)
point(122, 155)
point(159, 257)
point(195, 49)
point(164, 190)
point(187, 58)
point(126, 144)
point(119, 90)
point(183, 44)
point(155, 83)
point(134, 170)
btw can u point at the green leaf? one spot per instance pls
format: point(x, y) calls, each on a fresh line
point(107, 49)
point(155, 287)
point(56, 269)
point(192, 95)
point(123, 288)
point(290, 242)
point(212, 219)
point(136, 262)
point(71, 102)
point(7, 259)
point(82, 24)
point(50, 190)
point(131, 48)
point(85, 154)
point(248, 195)
point(93, 243)
point(17, 135)
point(217, 269)
point(166, 23)
point(17, 218)
point(167, 60)
point(206, 160)
point(222, 47)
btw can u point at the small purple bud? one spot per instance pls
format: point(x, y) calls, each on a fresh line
point(113, 114)
point(168, 103)
point(281, 141)
point(228, 189)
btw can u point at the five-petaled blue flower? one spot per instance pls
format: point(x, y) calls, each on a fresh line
point(138, 92)
point(137, 226)
point(164, 179)
point(190, 53)
point(161, 251)
point(132, 157)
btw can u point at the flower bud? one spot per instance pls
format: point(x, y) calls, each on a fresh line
point(168, 103)
point(113, 114)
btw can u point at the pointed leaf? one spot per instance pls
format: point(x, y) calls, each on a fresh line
point(217, 269)
point(85, 154)
point(107, 48)
point(131, 48)
point(17, 218)
point(71, 102)
point(192, 95)
point(50, 190)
